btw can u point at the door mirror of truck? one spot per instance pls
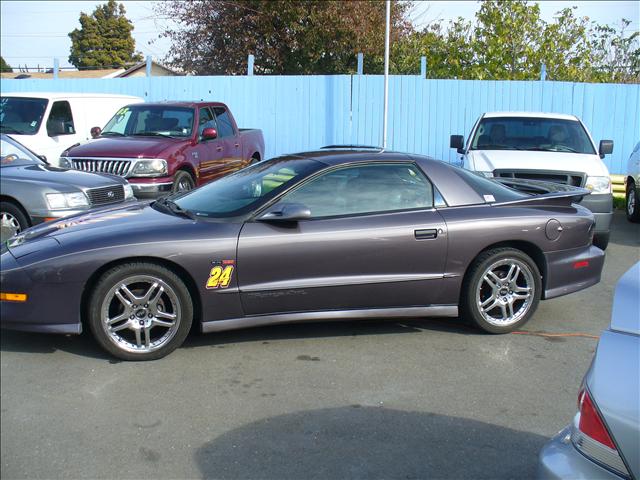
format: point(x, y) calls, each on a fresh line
point(209, 134)
point(606, 148)
point(95, 132)
point(55, 128)
point(457, 142)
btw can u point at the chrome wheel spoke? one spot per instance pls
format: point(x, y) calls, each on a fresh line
point(492, 279)
point(503, 308)
point(492, 298)
point(138, 337)
point(147, 336)
point(119, 327)
point(123, 316)
point(514, 271)
point(124, 301)
point(154, 301)
point(147, 296)
point(169, 316)
point(510, 309)
point(130, 296)
point(162, 323)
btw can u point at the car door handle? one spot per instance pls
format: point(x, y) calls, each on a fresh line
point(219, 149)
point(237, 145)
point(426, 234)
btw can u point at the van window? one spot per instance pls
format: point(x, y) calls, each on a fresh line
point(225, 126)
point(21, 115)
point(60, 120)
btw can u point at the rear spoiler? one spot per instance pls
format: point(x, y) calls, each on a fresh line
point(543, 193)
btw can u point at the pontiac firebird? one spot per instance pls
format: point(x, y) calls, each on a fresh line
point(336, 234)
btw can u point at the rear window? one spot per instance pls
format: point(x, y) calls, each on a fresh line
point(488, 189)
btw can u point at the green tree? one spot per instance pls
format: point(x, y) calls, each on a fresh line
point(4, 66)
point(104, 39)
point(617, 55)
point(286, 37)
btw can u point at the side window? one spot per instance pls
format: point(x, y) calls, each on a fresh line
point(60, 120)
point(206, 120)
point(225, 126)
point(365, 189)
point(118, 123)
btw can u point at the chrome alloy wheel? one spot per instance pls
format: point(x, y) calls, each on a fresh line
point(141, 314)
point(9, 223)
point(505, 293)
point(631, 203)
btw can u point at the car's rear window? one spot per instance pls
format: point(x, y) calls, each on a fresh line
point(488, 189)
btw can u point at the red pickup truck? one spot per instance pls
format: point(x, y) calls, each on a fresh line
point(168, 147)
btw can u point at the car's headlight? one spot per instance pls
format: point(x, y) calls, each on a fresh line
point(599, 184)
point(128, 191)
point(155, 166)
point(65, 162)
point(57, 201)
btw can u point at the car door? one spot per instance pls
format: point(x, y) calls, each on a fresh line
point(208, 154)
point(230, 140)
point(374, 240)
point(61, 131)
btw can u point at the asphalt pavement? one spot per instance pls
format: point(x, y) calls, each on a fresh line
point(415, 399)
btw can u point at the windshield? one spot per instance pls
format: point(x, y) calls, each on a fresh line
point(151, 120)
point(537, 134)
point(14, 154)
point(21, 115)
point(246, 189)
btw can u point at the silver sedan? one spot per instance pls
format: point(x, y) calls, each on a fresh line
point(31, 191)
point(604, 439)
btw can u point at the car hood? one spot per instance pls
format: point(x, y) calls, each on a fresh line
point(57, 178)
point(124, 147)
point(490, 160)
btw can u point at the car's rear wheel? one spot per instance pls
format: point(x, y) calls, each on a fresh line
point(140, 311)
point(12, 220)
point(501, 290)
point(632, 203)
point(182, 182)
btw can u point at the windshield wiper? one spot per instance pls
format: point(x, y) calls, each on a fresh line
point(109, 133)
point(151, 134)
point(175, 208)
point(8, 129)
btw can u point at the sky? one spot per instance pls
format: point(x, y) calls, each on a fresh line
point(35, 32)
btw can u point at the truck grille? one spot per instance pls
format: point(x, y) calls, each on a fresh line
point(113, 166)
point(105, 195)
point(576, 179)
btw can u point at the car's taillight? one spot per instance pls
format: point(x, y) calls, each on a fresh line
point(590, 436)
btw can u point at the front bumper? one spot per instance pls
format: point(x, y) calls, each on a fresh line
point(601, 205)
point(571, 270)
point(51, 307)
point(559, 459)
point(151, 187)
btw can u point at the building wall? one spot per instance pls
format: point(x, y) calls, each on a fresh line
point(299, 113)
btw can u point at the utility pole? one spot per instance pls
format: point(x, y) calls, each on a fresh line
point(386, 74)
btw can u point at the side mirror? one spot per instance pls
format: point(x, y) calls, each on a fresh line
point(457, 142)
point(290, 212)
point(95, 132)
point(209, 134)
point(606, 148)
point(55, 128)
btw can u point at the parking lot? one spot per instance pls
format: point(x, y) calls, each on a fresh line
point(414, 399)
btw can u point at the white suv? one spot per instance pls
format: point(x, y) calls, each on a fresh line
point(542, 146)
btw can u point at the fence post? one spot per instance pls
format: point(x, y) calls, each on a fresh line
point(360, 62)
point(543, 73)
point(148, 65)
point(250, 60)
point(423, 67)
point(56, 68)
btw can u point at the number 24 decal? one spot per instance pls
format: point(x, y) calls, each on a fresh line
point(220, 277)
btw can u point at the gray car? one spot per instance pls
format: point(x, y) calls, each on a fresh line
point(31, 191)
point(604, 439)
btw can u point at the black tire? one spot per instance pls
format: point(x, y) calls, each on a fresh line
point(632, 203)
point(476, 290)
point(12, 219)
point(166, 295)
point(182, 182)
point(601, 240)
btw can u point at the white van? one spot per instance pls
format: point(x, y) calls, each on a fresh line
point(49, 123)
point(542, 146)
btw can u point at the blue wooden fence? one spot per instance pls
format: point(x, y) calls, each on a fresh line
point(299, 113)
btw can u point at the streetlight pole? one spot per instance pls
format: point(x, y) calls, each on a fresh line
point(386, 74)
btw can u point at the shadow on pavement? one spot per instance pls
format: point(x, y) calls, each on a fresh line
point(624, 232)
point(83, 345)
point(369, 442)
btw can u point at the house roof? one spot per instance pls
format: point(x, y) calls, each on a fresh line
point(98, 73)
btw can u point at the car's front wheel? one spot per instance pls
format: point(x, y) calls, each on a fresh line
point(140, 311)
point(12, 220)
point(632, 203)
point(501, 290)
